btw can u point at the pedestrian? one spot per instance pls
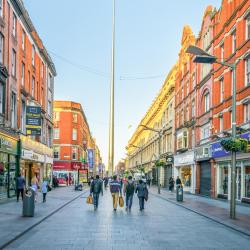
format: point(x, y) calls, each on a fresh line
point(129, 189)
point(171, 184)
point(45, 185)
point(34, 185)
point(106, 181)
point(142, 193)
point(178, 181)
point(96, 189)
point(20, 186)
point(67, 180)
point(90, 180)
point(121, 182)
point(115, 189)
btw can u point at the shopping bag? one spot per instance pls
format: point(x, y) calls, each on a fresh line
point(90, 199)
point(121, 201)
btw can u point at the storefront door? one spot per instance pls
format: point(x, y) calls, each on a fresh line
point(238, 184)
point(167, 175)
point(205, 178)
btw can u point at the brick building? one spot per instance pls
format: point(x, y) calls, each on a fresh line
point(72, 141)
point(26, 79)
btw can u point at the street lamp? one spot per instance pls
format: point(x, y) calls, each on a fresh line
point(202, 56)
point(160, 132)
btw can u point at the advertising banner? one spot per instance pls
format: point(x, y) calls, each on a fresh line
point(83, 176)
point(91, 158)
point(33, 120)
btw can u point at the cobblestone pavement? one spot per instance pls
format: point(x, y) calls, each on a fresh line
point(162, 225)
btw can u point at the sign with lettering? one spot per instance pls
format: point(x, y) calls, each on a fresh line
point(91, 158)
point(8, 145)
point(33, 120)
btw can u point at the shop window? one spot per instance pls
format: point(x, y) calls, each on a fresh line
point(247, 182)
point(186, 176)
point(224, 180)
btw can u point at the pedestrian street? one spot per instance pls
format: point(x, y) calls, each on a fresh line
point(162, 225)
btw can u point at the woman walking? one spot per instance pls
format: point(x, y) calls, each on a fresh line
point(45, 189)
point(34, 185)
point(142, 193)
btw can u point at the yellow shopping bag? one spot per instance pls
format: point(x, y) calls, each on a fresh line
point(121, 201)
point(89, 199)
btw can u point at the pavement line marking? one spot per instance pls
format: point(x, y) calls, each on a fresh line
point(40, 221)
point(235, 228)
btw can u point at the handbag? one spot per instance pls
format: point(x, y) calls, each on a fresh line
point(121, 201)
point(89, 199)
point(146, 195)
point(49, 188)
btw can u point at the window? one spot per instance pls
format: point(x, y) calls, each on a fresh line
point(248, 27)
point(13, 110)
point(75, 117)
point(230, 115)
point(193, 81)
point(23, 74)
point(1, 48)
point(193, 108)
point(221, 123)
point(1, 8)
point(187, 113)
point(182, 93)
point(33, 55)
point(74, 134)
point(205, 131)
point(33, 86)
point(1, 98)
point(49, 107)
point(233, 41)
point(247, 81)
point(41, 97)
point(187, 87)
point(50, 81)
point(222, 52)
point(23, 40)
point(182, 140)
point(221, 90)
point(49, 136)
point(42, 70)
point(14, 25)
point(23, 116)
point(206, 102)
point(56, 133)
point(247, 112)
point(182, 117)
point(29, 80)
point(13, 63)
point(74, 153)
point(56, 116)
point(56, 152)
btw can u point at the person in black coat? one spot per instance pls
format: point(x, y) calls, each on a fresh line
point(178, 181)
point(142, 193)
point(171, 184)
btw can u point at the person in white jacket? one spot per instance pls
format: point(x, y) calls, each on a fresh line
point(45, 189)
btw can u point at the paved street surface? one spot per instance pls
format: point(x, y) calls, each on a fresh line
point(215, 209)
point(162, 225)
point(11, 221)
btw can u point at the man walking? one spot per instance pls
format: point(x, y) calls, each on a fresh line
point(115, 189)
point(20, 186)
point(129, 189)
point(142, 193)
point(96, 189)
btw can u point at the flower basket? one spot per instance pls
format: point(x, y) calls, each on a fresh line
point(234, 145)
point(159, 163)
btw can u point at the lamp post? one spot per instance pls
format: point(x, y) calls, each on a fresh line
point(202, 56)
point(160, 132)
point(112, 95)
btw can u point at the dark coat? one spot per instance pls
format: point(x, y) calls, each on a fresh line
point(178, 181)
point(96, 186)
point(141, 190)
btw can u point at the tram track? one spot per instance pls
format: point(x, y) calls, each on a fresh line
point(27, 230)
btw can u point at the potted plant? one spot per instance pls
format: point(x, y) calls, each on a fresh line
point(234, 144)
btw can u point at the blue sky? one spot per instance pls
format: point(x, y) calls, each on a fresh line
point(77, 34)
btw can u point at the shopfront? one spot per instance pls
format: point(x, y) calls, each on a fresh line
point(202, 158)
point(223, 172)
point(8, 165)
point(184, 167)
point(167, 170)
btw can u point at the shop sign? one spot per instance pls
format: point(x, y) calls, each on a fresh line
point(184, 159)
point(203, 152)
point(8, 145)
point(76, 165)
point(30, 155)
point(60, 165)
point(83, 176)
point(33, 120)
point(91, 158)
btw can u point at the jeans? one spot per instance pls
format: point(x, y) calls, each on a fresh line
point(44, 197)
point(96, 199)
point(19, 190)
point(115, 199)
point(141, 202)
point(129, 200)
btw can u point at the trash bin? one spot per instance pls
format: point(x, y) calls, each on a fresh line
point(179, 193)
point(29, 203)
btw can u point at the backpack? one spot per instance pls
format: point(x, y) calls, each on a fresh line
point(130, 188)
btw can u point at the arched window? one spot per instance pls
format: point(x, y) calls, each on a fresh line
point(206, 102)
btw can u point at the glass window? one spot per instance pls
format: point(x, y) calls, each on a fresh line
point(186, 176)
point(193, 108)
point(33, 55)
point(23, 40)
point(205, 131)
point(1, 98)
point(247, 112)
point(23, 117)
point(1, 8)
point(56, 152)
point(221, 90)
point(247, 182)
point(1, 48)
point(23, 74)
point(221, 123)
point(234, 41)
point(74, 153)
point(193, 81)
point(224, 180)
point(13, 110)
point(56, 133)
point(247, 81)
point(248, 27)
point(14, 25)
point(75, 117)
point(74, 134)
point(33, 86)
point(13, 63)
point(206, 102)
point(49, 107)
point(56, 116)
point(222, 52)
point(187, 87)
